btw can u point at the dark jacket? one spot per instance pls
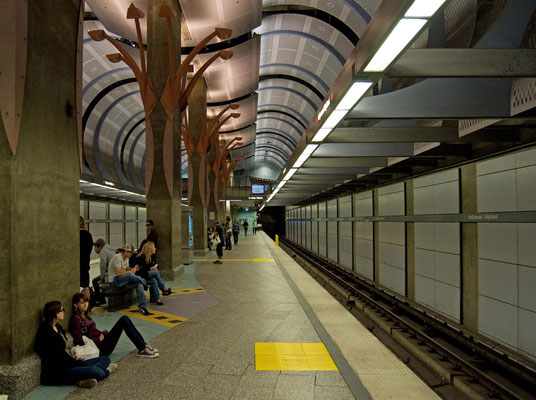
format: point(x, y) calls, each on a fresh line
point(236, 228)
point(55, 361)
point(78, 328)
point(145, 266)
point(86, 246)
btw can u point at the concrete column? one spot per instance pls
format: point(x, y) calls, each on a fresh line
point(39, 199)
point(212, 209)
point(469, 236)
point(163, 207)
point(410, 243)
point(197, 112)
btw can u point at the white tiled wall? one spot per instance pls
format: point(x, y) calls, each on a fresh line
point(130, 227)
point(308, 227)
point(322, 234)
point(314, 229)
point(437, 245)
point(142, 216)
point(303, 237)
point(507, 252)
point(364, 235)
point(333, 236)
point(392, 238)
point(97, 210)
point(345, 233)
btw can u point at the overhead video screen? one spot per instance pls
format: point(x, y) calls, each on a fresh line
point(257, 189)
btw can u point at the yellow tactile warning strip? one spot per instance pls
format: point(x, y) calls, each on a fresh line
point(239, 259)
point(293, 357)
point(158, 317)
point(177, 291)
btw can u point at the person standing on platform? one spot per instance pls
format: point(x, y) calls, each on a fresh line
point(120, 274)
point(228, 234)
point(254, 226)
point(152, 234)
point(219, 247)
point(105, 252)
point(245, 227)
point(86, 245)
point(236, 231)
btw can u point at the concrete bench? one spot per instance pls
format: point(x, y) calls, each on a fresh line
point(118, 297)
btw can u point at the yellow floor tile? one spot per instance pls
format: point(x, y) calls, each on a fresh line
point(159, 317)
point(293, 357)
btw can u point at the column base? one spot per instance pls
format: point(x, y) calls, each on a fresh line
point(174, 274)
point(20, 379)
point(201, 252)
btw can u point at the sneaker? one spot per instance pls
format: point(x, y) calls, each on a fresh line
point(167, 292)
point(157, 302)
point(144, 311)
point(86, 383)
point(147, 353)
point(151, 348)
point(111, 368)
point(219, 262)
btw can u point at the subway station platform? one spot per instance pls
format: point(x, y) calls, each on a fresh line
point(255, 327)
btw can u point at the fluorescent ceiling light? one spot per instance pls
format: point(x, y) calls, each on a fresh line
point(260, 209)
point(424, 8)
point(404, 32)
point(334, 119)
point(321, 135)
point(353, 95)
point(289, 174)
point(305, 155)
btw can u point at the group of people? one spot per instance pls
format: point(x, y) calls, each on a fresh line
point(124, 268)
point(60, 366)
point(220, 236)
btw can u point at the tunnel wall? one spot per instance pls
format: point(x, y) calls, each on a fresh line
point(413, 239)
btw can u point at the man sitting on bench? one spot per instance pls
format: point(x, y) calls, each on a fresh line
point(120, 274)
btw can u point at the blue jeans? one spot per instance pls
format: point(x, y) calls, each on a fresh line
point(134, 282)
point(157, 284)
point(94, 368)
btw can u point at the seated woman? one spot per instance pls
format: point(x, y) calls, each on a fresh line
point(58, 365)
point(81, 324)
point(148, 270)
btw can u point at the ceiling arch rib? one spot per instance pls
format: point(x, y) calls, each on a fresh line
point(118, 155)
point(354, 13)
point(272, 148)
point(295, 69)
point(282, 120)
point(283, 113)
point(273, 156)
point(270, 139)
point(93, 140)
point(136, 173)
point(275, 108)
point(277, 133)
point(295, 48)
point(293, 91)
point(293, 79)
point(262, 127)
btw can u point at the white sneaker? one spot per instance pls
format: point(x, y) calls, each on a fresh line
point(111, 368)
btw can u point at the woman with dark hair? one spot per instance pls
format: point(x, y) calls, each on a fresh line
point(149, 271)
point(82, 324)
point(58, 365)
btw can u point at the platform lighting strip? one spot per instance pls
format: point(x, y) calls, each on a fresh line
point(110, 188)
point(404, 32)
point(309, 149)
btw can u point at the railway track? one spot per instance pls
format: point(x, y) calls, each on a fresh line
point(449, 359)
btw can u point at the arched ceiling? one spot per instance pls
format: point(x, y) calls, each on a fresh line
point(287, 56)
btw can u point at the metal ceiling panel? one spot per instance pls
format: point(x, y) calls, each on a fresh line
point(234, 78)
point(247, 134)
point(247, 110)
point(202, 16)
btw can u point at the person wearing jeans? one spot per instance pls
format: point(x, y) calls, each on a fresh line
point(58, 364)
point(82, 324)
point(120, 274)
point(148, 270)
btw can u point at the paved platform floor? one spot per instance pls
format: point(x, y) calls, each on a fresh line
point(208, 333)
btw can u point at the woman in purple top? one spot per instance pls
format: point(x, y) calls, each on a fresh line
point(82, 324)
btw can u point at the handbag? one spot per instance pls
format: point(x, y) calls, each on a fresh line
point(87, 351)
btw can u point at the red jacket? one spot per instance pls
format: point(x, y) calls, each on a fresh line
point(78, 328)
